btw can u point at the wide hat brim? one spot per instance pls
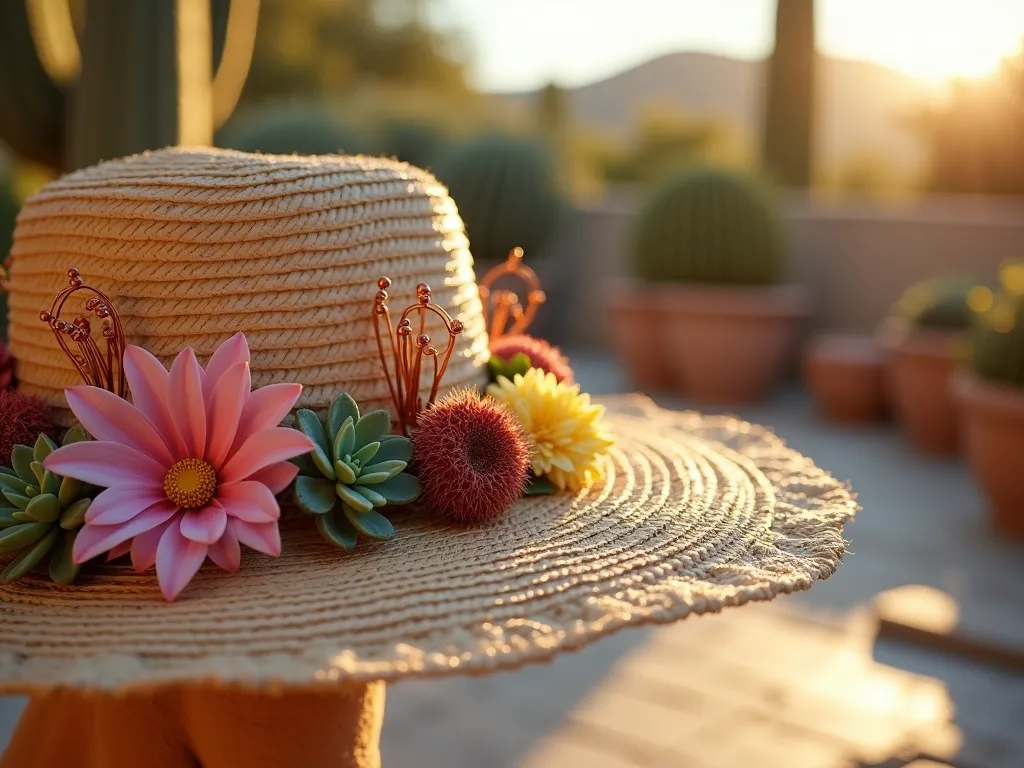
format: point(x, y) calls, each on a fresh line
point(694, 514)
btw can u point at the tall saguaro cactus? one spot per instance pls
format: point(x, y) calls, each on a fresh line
point(788, 141)
point(139, 75)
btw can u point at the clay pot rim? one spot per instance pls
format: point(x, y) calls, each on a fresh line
point(919, 342)
point(860, 350)
point(988, 397)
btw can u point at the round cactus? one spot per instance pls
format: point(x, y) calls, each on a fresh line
point(940, 304)
point(290, 129)
point(997, 348)
point(506, 191)
point(416, 143)
point(45, 512)
point(710, 226)
point(356, 467)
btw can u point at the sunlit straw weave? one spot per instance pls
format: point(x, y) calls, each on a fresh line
point(193, 245)
point(695, 514)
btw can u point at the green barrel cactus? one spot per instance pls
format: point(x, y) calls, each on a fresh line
point(997, 340)
point(45, 512)
point(287, 129)
point(506, 188)
point(355, 468)
point(940, 304)
point(414, 142)
point(710, 226)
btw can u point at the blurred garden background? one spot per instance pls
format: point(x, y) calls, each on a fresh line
point(806, 212)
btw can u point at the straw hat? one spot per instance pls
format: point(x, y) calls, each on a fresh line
point(693, 513)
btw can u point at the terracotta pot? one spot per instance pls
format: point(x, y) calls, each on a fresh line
point(920, 371)
point(728, 345)
point(846, 374)
point(635, 320)
point(992, 417)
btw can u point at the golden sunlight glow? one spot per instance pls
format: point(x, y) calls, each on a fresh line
point(933, 40)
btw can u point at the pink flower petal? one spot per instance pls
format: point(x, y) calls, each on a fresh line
point(265, 408)
point(147, 380)
point(123, 502)
point(204, 525)
point(226, 553)
point(250, 501)
point(277, 477)
point(121, 549)
point(105, 464)
point(93, 540)
point(233, 351)
point(144, 546)
point(263, 449)
point(106, 416)
point(224, 406)
point(263, 537)
point(185, 402)
point(177, 560)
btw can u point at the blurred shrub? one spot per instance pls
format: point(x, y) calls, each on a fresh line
point(942, 304)
point(413, 141)
point(507, 192)
point(997, 343)
point(866, 176)
point(284, 129)
point(9, 207)
point(710, 226)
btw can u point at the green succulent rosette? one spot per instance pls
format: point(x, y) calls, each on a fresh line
point(496, 366)
point(41, 512)
point(356, 467)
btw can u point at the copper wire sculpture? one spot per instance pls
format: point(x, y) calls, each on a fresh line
point(407, 352)
point(501, 305)
point(102, 368)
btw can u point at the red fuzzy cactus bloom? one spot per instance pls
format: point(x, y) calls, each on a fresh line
point(22, 418)
point(6, 367)
point(471, 456)
point(541, 354)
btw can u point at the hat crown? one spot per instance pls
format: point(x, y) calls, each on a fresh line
point(194, 245)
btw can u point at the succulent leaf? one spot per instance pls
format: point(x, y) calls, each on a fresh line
point(342, 409)
point(44, 508)
point(17, 500)
point(74, 515)
point(13, 539)
point(76, 434)
point(520, 363)
point(21, 462)
point(38, 472)
point(306, 466)
point(372, 426)
point(7, 518)
point(28, 559)
point(394, 448)
point(344, 472)
point(400, 489)
point(315, 495)
point(63, 569)
point(353, 498)
point(7, 471)
point(345, 439)
point(336, 529)
point(13, 484)
point(51, 482)
point(70, 489)
point(309, 424)
point(23, 517)
point(370, 523)
point(389, 468)
point(44, 447)
point(371, 478)
point(371, 495)
point(539, 486)
point(365, 454)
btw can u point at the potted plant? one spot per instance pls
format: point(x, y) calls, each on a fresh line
point(991, 395)
point(921, 338)
point(845, 373)
point(709, 258)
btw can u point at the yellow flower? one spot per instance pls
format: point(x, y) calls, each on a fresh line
point(565, 430)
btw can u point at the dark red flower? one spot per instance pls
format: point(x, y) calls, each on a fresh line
point(541, 354)
point(22, 418)
point(471, 456)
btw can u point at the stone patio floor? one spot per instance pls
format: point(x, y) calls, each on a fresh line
point(803, 682)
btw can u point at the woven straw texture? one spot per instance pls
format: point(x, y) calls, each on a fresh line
point(193, 245)
point(694, 514)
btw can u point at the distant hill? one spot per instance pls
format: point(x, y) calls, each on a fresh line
point(860, 104)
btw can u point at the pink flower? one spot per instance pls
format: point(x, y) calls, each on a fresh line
point(191, 469)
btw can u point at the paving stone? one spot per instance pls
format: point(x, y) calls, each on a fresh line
point(564, 751)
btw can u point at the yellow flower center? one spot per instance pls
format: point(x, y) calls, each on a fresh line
point(190, 483)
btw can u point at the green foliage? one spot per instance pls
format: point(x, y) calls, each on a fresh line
point(355, 468)
point(416, 142)
point(507, 192)
point(789, 112)
point(709, 226)
point(520, 363)
point(8, 213)
point(114, 88)
point(938, 304)
point(44, 512)
point(997, 340)
point(291, 128)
